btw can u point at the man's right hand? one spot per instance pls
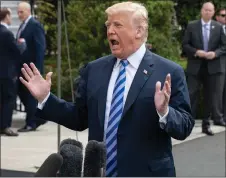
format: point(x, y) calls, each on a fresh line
point(35, 83)
point(200, 53)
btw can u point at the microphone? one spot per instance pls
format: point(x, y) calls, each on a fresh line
point(95, 159)
point(72, 142)
point(103, 157)
point(50, 166)
point(72, 161)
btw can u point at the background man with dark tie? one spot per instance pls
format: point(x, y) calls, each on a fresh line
point(10, 51)
point(32, 31)
point(221, 17)
point(205, 44)
point(133, 100)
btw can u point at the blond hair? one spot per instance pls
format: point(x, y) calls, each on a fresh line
point(139, 14)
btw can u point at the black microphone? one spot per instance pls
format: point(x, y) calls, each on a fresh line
point(95, 159)
point(72, 161)
point(50, 166)
point(103, 157)
point(72, 142)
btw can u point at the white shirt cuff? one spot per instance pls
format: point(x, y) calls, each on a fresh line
point(42, 104)
point(162, 119)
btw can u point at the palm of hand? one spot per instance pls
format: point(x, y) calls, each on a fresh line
point(162, 97)
point(159, 100)
point(35, 83)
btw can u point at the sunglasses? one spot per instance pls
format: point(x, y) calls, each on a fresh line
point(223, 15)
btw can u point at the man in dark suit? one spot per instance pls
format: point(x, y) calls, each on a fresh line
point(121, 100)
point(204, 44)
point(10, 51)
point(32, 31)
point(221, 17)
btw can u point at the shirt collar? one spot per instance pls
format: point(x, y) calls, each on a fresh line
point(208, 23)
point(4, 24)
point(26, 21)
point(135, 58)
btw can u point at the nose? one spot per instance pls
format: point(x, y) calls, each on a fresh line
point(110, 30)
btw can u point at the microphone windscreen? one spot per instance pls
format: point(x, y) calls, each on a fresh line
point(72, 161)
point(50, 166)
point(103, 157)
point(94, 159)
point(72, 142)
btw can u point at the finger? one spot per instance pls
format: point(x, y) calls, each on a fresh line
point(48, 77)
point(167, 98)
point(168, 88)
point(29, 71)
point(34, 69)
point(25, 74)
point(24, 82)
point(158, 87)
point(168, 78)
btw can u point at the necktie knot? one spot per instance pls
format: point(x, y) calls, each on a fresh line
point(205, 26)
point(124, 62)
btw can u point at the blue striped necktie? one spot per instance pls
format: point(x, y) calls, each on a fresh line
point(114, 118)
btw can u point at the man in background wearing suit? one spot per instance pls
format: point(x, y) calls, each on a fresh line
point(221, 17)
point(133, 100)
point(204, 44)
point(32, 31)
point(10, 51)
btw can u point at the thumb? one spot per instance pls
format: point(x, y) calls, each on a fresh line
point(158, 87)
point(48, 77)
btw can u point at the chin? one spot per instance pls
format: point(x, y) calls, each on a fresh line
point(116, 53)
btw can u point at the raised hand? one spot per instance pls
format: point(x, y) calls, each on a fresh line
point(35, 83)
point(162, 97)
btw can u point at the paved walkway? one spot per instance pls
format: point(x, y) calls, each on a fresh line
point(28, 151)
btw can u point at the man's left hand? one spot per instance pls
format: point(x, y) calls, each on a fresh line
point(210, 55)
point(162, 97)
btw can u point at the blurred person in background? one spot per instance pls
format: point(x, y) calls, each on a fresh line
point(32, 31)
point(204, 44)
point(221, 17)
point(10, 51)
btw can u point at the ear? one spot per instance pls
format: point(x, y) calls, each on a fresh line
point(139, 32)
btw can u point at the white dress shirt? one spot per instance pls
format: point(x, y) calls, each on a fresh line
point(4, 24)
point(224, 29)
point(131, 69)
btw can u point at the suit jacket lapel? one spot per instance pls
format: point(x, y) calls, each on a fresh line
point(200, 32)
point(211, 34)
point(104, 79)
point(26, 26)
point(143, 73)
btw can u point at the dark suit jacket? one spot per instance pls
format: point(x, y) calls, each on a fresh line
point(193, 40)
point(9, 54)
point(34, 35)
point(144, 149)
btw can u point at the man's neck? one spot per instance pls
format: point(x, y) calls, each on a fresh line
point(5, 24)
point(26, 20)
point(206, 20)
